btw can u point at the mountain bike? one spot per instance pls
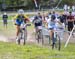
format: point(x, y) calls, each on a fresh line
point(39, 35)
point(56, 41)
point(23, 33)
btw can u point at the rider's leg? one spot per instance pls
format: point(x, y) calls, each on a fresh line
point(51, 36)
point(17, 30)
point(17, 33)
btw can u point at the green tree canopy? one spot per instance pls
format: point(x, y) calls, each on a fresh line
point(29, 4)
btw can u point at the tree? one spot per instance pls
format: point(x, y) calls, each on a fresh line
point(68, 2)
point(29, 4)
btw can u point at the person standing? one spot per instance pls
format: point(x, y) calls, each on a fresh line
point(70, 20)
point(5, 17)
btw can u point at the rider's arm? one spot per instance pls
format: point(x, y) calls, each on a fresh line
point(43, 19)
point(58, 21)
point(33, 19)
point(45, 22)
point(26, 18)
point(15, 17)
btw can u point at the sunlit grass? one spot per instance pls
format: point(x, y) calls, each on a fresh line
point(13, 51)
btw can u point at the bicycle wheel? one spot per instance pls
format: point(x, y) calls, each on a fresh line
point(38, 37)
point(58, 43)
point(25, 36)
point(54, 40)
point(19, 38)
point(41, 36)
point(49, 39)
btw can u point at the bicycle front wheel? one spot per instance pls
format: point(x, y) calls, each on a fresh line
point(25, 36)
point(58, 43)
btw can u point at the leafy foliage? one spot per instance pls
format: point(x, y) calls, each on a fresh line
point(30, 3)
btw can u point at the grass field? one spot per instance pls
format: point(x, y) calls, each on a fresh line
point(31, 51)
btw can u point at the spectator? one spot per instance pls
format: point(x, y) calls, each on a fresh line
point(5, 17)
point(63, 18)
point(70, 20)
point(73, 13)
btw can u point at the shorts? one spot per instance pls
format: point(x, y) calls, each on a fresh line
point(5, 21)
point(51, 27)
point(38, 27)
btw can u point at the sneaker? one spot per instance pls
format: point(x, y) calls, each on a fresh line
point(16, 40)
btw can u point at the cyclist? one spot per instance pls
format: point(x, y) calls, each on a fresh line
point(51, 24)
point(37, 21)
point(19, 19)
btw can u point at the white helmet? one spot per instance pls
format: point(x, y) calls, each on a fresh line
point(5, 13)
point(20, 11)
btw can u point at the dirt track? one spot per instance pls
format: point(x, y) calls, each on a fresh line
point(31, 38)
point(3, 38)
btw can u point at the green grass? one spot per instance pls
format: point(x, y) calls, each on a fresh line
point(31, 51)
point(9, 31)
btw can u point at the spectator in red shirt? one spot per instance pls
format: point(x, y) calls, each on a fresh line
point(70, 20)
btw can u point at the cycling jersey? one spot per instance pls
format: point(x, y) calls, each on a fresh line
point(51, 23)
point(20, 18)
point(37, 21)
point(17, 16)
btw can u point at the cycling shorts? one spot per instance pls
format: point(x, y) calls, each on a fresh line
point(51, 26)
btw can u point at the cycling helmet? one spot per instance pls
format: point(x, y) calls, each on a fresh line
point(5, 13)
point(20, 11)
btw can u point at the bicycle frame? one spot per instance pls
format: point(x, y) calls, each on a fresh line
point(22, 34)
point(56, 38)
point(39, 34)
